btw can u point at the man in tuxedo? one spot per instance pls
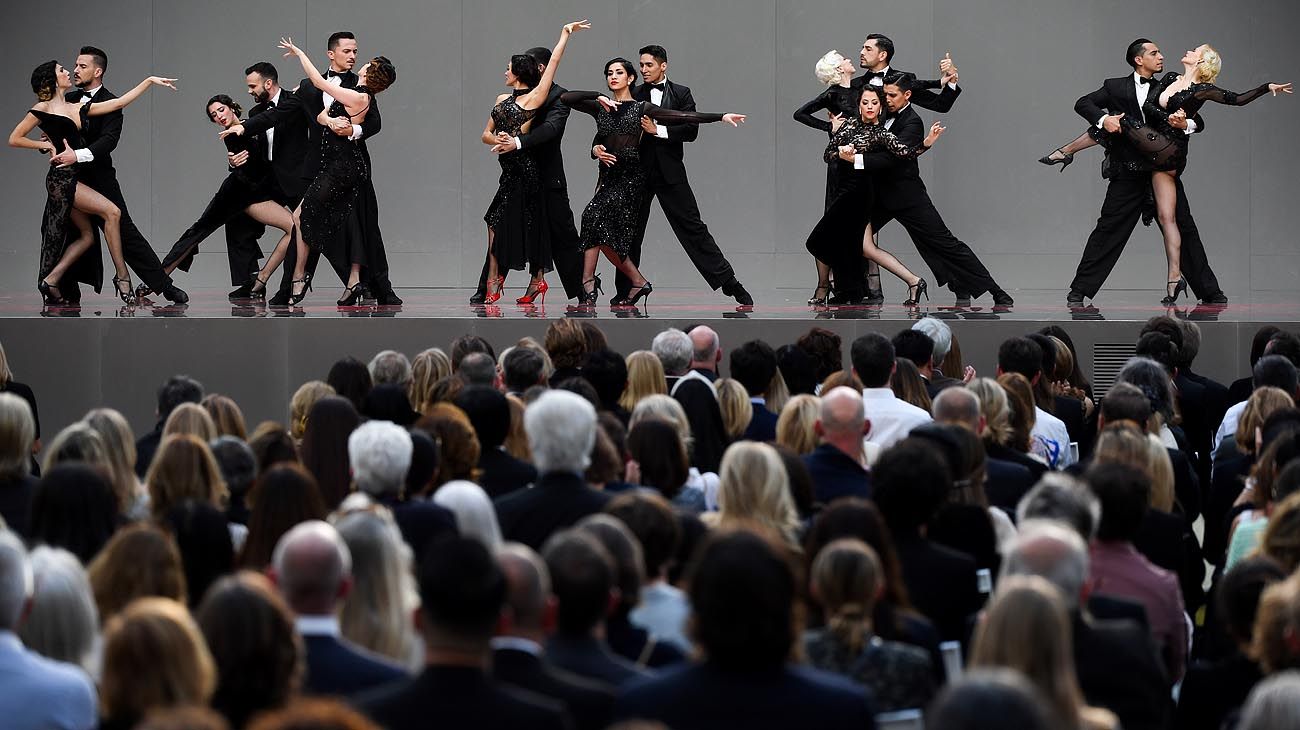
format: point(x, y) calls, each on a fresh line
point(1129, 188)
point(902, 196)
point(542, 143)
point(276, 115)
point(836, 466)
point(95, 168)
point(661, 154)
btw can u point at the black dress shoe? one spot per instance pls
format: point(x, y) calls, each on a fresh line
point(961, 299)
point(1002, 299)
point(478, 297)
point(846, 300)
point(1074, 297)
point(874, 298)
point(736, 290)
point(388, 299)
point(175, 294)
point(245, 291)
point(1219, 298)
point(281, 299)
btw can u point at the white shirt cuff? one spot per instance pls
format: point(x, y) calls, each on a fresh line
point(952, 85)
point(857, 163)
point(1101, 123)
point(1191, 127)
point(661, 131)
point(518, 145)
point(356, 132)
point(85, 155)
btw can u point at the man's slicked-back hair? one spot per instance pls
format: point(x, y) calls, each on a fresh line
point(265, 69)
point(540, 54)
point(97, 55)
point(883, 43)
point(903, 80)
point(872, 356)
point(339, 36)
point(462, 588)
point(656, 51)
point(1135, 50)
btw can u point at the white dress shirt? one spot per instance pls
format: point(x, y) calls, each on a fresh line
point(657, 98)
point(270, 131)
point(1140, 90)
point(1228, 428)
point(84, 154)
point(528, 646)
point(325, 95)
point(1050, 439)
point(318, 626)
point(891, 419)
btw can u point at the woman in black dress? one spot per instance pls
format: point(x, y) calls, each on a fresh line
point(329, 199)
point(518, 236)
point(848, 217)
point(609, 222)
point(249, 188)
point(68, 201)
point(839, 99)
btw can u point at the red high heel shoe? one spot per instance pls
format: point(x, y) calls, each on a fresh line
point(494, 287)
point(536, 293)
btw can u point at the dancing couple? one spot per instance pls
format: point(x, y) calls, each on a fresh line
point(1144, 122)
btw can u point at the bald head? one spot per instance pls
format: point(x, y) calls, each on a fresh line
point(842, 412)
point(312, 568)
point(707, 349)
point(959, 407)
point(528, 587)
point(1053, 551)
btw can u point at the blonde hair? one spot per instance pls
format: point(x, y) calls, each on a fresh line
point(139, 561)
point(377, 612)
point(827, 69)
point(1122, 443)
point(1263, 403)
point(427, 368)
point(119, 443)
point(17, 434)
point(182, 470)
point(645, 376)
point(192, 419)
point(1281, 540)
point(846, 576)
point(795, 426)
point(777, 394)
point(300, 405)
point(753, 487)
point(77, 442)
point(994, 408)
point(665, 408)
point(1208, 68)
point(154, 657)
point(737, 409)
point(516, 443)
point(6, 374)
point(226, 416)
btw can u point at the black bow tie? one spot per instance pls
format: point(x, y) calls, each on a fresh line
point(270, 104)
point(1145, 80)
point(658, 86)
point(875, 74)
point(331, 73)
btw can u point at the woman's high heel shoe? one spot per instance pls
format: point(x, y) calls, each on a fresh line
point(494, 287)
point(1064, 161)
point(128, 296)
point(294, 299)
point(50, 293)
point(915, 291)
point(823, 288)
point(353, 296)
point(255, 292)
point(589, 298)
point(536, 293)
point(642, 292)
point(1180, 287)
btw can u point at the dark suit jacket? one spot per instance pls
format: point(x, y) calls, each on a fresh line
point(1118, 96)
point(662, 158)
point(1211, 691)
point(338, 667)
point(704, 696)
point(593, 659)
point(313, 101)
point(762, 425)
point(101, 135)
point(898, 182)
point(291, 146)
point(941, 583)
point(501, 473)
point(16, 495)
point(589, 703)
point(835, 474)
point(1117, 608)
point(1070, 411)
point(705, 416)
point(1239, 391)
point(1168, 541)
point(1119, 669)
point(421, 522)
point(936, 384)
point(542, 140)
point(459, 697)
point(555, 501)
point(145, 447)
point(1005, 483)
point(1036, 468)
point(926, 93)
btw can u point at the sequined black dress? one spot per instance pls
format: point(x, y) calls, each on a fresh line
point(610, 219)
point(835, 99)
point(60, 193)
point(520, 234)
point(331, 195)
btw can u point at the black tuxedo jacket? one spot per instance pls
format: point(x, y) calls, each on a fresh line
point(291, 146)
point(590, 703)
point(500, 473)
point(898, 182)
point(554, 502)
point(1119, 669)
point(420, 523)
point(927, 93)
point(663, 157)
point(941, 583)
point(1118, 96)
point(101, 135)
point(835, 474)
point(313, 102)
point(543, 138)
point(336, 667)
point(460, 697)
point(593, 659)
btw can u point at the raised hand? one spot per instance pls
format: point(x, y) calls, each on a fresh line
point(837, 121)
point(576, 26)
point(606, 102)
point(66, 158)
point(1111, 123)
point(734, 120)
point(1275, 89)
point(603, 156)
point(936, 130)
point(235, 129)
point(289, 48)
point(161, 81)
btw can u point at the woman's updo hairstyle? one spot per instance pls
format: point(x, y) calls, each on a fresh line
point(225, 100)
point(380, 75)
point(524, 67)
point(827, 69)
point(45, 80)
point(1207, 69)
point(627, 66)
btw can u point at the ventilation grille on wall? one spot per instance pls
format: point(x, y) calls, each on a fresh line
point(1108, 359)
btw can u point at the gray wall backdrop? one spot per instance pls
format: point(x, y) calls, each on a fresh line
point(1023, 63)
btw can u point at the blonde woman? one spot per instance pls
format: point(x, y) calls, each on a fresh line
point(645, 376)
point(182, 470)
point(754, 488)
point(226, 416)
point(154, 657)
point(377, 613)
point(300, 405)
point(427, 368)
point(1026, 628)
point(737, 409)
point(794, 427)
point(666, 408)
point(119, 441)
point(17, 485)
point(192, 419)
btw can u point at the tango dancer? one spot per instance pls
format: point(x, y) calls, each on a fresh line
point(848, 217)
point(661, 153)
point(610, 221)
point(518, 236)
point(249, 189)
point(71, 205)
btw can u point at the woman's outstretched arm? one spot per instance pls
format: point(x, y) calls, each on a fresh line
point(534, 98)
point(350, 98)
point(99, 108)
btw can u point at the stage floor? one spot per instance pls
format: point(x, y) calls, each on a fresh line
point(679, 304)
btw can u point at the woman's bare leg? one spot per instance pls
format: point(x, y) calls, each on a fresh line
point(270, 213)
point(1165, 185)
point(625, 266)
point(300, 266)
point(886, 260)
point(85, 237)
point(90, 202)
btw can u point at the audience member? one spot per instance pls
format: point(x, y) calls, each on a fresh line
point(796, 426)
point(735, 407)
point(23, 391)
point(271, 445)
point(377, 612)
point(380, 454)
point(838, 465)
point(990, 699)
point(826, 350)
point(465, 344)
point(753, 489)
point(458, 446)
point(324, 447)
point(389, 367)
point(155, 658)
point(891, 419)
point(202, 535)
point(1006, 481)
point(17, 485)
point(1274, 703)
point(238, 469)
point(937, 373)
point(658, 460)
point(62, 623)
point(176, 390)
point(566, 343)
point(523, 368)
point(645, 377)
point(140, 561)
point(311, 714)
point(753, 365)
point(284, 496)
point(706, 351)
point(479, 369)
point(1050, 437)
point(350, 378)
point(908, 385)
point(663, 609)
point(427, 368)
point(301, 404)
point(225, 415)
point(473, 510)
point(74, 509)
point(119, 447)
point(606, 371)
point(694, 389)
point(489, 412)
point(796, 369)
point(191, 419)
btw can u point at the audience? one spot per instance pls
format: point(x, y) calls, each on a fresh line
point(754, 489)
point(140, 561)
point(62, 622)
point(1006, 481)
point(472, 507)
point(225, 415)
point(73, 509)
point(735, 406)
point(645, 377)
point(17, 485)
point(330, 420)
point(795, 427)
point(691, 383)
point(990, 699)
point(489, 413)
point(307, 395)
point(155, 659)
point(378, 609)
point(380, 454)
point(662, 608)
point(284, 496)
point(1274, 703)
point(753, 365)
point(1049, 436)
point(119, 445)
point(838, 465)
point(177, 390)
point(891, 419)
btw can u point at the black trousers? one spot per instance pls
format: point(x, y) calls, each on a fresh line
point(678, 203)
point(565, 255)
point(836, 240)
point(139, 255)
point(1125, 196)
point(952, 262)
point(232, 198)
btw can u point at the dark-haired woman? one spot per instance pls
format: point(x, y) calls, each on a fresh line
point(518, 237)
point(66, 199)
point(609, 222)
point(249, 189)
point(329, 199)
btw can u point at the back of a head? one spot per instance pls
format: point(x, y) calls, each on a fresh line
point(797, 368)
point(909, 483)
point(226, 415)
point(1286, 344)
point(1026, 628)
point(74, 508)
point(311, 714)
point(674, 349)
point(390, 367)
point(753, 365)
point(63, 623)
point(193, 419)
point(1126, 402)
point(528, 585)
point(582, 575)
point(561, 428)
point(284, 496)
point(380, 454)
point(17, 433)
point(1275, 371)
point(300, 405)
point(940, 334)
point(350, 379)
point(16, 581)
point(657, 447)
point(488, 412)
point(842, 412)
point(566, 343)
point(742, 592)
point(1281, 539)
point(236, 462)
point(311, 562)
point(846, 579)
point(462, 590)
point(522, 369)
point(958, 406)
point(478, 368)
point(872, 356)
point(606, 370)
point(826, 349)
point(652, 520)
point(389, 402)
point(464, 345)
point(914, 345)
point(1124, 493)
point(472, 507)
point(622, 546)
point(1050, 550)
point(1153, 380)
point(1021, 355)
point(1159, 347)
point(753, 485)
point(1065, 499)
point(140, 560)
point(1238, 594)
point(176, 390)
point(154, 658)
point(989, 699)
point(1274, 703)
point(202, 535)
point(271, 444)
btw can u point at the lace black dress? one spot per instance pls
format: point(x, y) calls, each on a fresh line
point(1164, 145)
point(329, 199)
point(835, 99)
point(60, 193)
point(610, 219)
point(520, 235)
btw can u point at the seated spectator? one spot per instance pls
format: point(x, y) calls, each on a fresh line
point(462, 593)
point(389, 367)
point(377, 613)
point(566, 344)
point(846, 578)
point(645, 377)
point(891, 419)
point(743, 593)
point(965, 521)
point(350, 379)
point(238, 469)
point(753, 365)
point(17, 485)
point(479, 369)
point(523, 368)
point(81, 444)
point(1021, 418)
point(939, 374)
point(1230, 472)
point(489, 412)
point(658, 461)
point(1262, 493)
point(140, 561)
point(908, 385)
point(23, 391)
point(74, 509)
point(663, 609)
point(202, 535)
point(795, 427)
point(176, 390)
point(154, 659)
point(990, 699)
point(561, 431)
point(1271, 371)
point(380, 454)
point(1050, 437)
point(837, 466)
point(192, 419)
point(796, 368)
point(1281, 539)
point(464, 345)
point(706, 351)
point(301, 404)
point(1006, 481)
point(693, 387)
point(458, 446)
point(427, 368)
point(389, 402)
point(282, 497)
point(423, 472)
point(188, 717)
point(1069, 410)
point(62, 623)
point(1026, 629)
point(1272, 704)
point(473, 510)
point(670, 409)
point(119, 447)
point(226, 415)
point(754, 489)
point(736, 409)
point(312, 568)
point(271, 445)
point(324, 447)
point(826, 350)
point(313, 714)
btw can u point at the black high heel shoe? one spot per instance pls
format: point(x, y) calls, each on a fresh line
point(256, 293)
point(589, 298)
point(642, 292)
point(823, 287)
point(1064, 161)
point(354, 295)
point(128, 296)
point(1180, 287)
point(294, 299)
point(914, 292)
point(50, 293)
